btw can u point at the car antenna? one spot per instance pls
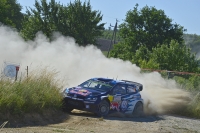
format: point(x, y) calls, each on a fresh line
point(117, 77)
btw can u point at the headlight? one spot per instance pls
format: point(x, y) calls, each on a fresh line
point(65, 92)
point(91, 99)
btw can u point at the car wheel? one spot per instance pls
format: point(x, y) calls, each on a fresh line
point(103, 108)
point(138, 110)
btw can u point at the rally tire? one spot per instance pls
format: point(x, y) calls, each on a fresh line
point(138, 110)
point(103, 108)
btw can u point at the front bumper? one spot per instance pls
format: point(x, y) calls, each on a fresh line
point(80, 104)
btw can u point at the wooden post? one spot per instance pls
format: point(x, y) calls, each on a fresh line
point(27, 71)
point(17, 69)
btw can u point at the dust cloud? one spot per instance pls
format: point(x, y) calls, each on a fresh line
point(76, 64)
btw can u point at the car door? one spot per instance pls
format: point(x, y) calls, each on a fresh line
point(117, 94)
point(128, 99)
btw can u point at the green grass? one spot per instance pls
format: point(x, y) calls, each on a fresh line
point(38, 92)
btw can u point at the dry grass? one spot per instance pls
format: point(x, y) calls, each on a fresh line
point(38, 92)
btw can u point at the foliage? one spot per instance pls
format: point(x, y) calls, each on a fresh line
point(192, 83)
point(10, 13)
point(141, 55)
point(174, 57)
point(37, 93)
point(84, 24)
point(107, 34)
point(121, 50)
point(148, 27)
point(46, 17)
point(150, 64)
point(77, 20)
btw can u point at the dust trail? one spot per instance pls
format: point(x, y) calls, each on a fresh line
point(76, 64)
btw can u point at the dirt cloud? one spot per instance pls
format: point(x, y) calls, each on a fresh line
point(76, 64)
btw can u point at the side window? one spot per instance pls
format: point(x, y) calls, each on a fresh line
point(131, 89)
point(119, 89)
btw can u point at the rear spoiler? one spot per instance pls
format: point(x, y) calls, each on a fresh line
point(140, 86)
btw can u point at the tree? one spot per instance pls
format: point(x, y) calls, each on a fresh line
point(107, 34)
point(121, 50)
point(175, 57)
point(11, 14)
point(47, 18)
point(163, 57)
point(141, 55)
point(84, 24)
point(148, 27)
point(76, 20)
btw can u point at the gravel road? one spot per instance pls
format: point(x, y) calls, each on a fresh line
point(88, 123)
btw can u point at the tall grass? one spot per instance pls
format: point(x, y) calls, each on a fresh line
point(192, 85)
point(193, 109)
point(36, 93)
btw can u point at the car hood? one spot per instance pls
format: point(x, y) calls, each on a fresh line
point(85, 91)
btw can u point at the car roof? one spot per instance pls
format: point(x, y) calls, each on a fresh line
point(117, 81)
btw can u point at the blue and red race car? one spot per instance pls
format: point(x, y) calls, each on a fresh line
point(103, 96)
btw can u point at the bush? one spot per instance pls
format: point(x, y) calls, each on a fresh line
point(191, 83)
point(36, 93)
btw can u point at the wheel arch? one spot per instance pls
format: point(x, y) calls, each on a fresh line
point(139, 101)
point(106, 99)
point(138, 109)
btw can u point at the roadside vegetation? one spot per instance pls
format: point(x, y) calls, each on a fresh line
point(35, 94)
point(192, 84)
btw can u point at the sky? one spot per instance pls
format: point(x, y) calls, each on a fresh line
point(182, 12)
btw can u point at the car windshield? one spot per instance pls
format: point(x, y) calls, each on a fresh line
point(97, 85)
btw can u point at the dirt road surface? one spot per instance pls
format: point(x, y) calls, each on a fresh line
point(83, 122)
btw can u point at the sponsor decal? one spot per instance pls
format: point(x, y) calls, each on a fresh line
point(84, 91)
point(115, 102)
point(110, 97)
point(115, 105)
point(124, 105)
point(80, 91)
point(117, 99)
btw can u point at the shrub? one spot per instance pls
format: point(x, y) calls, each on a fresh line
point(36, 93)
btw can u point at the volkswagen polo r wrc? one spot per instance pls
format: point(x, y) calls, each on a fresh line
point(103, 96)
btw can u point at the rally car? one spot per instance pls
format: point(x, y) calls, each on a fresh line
point(103, 96)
